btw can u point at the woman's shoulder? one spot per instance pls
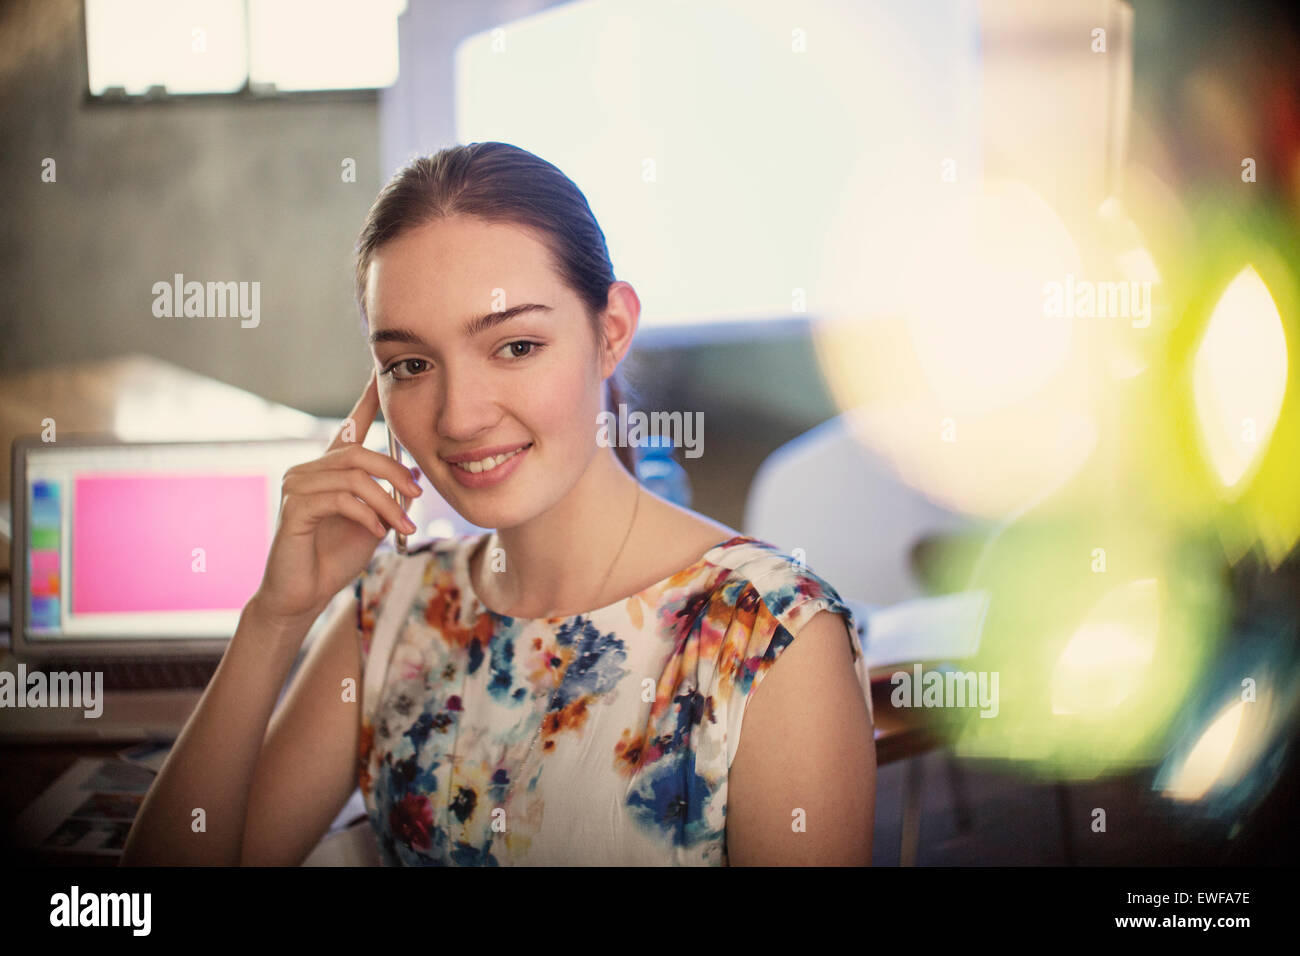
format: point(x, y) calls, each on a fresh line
point(752, 601)
point(742, 573)
point(759, 573)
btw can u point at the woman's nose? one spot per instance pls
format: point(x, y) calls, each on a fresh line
point(467, 407)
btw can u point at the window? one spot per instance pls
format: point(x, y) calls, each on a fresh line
point(262, 47)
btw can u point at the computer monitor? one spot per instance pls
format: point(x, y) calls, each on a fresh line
point(140, 549)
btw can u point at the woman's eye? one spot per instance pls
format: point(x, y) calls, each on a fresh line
point(392, 369)
point(529, 348)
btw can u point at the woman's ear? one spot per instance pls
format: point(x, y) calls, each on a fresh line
point(622, 314)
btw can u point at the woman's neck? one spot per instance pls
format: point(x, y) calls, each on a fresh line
point(554, 563)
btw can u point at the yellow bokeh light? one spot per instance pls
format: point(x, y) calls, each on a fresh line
point(1108, 657)
point(1239, 377)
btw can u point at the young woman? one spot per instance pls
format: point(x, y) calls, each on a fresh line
point(567, 689)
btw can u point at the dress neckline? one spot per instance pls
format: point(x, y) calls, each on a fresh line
point(472, 604)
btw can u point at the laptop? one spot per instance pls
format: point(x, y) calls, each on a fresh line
point(131, 563)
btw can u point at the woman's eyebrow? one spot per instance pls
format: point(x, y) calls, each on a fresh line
point(471, 328)
point(484, 322)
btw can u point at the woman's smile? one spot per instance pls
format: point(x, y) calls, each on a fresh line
point(486, 467)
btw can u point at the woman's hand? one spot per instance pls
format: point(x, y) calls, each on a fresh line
point(333, 514)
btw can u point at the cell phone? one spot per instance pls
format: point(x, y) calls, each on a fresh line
point(395, 452)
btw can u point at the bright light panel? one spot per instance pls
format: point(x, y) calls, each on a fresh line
point(195, 47)
point(716, 139)
point(216, 46)
point(323, 44)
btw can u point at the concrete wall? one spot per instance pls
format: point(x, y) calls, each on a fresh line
point(213, 188)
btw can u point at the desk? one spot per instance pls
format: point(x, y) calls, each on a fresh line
point(26, 772)
point(901, 734)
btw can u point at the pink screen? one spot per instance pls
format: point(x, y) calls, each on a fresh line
point(134, 541)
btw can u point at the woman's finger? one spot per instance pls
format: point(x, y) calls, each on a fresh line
point(355, 482)
point(358, 422)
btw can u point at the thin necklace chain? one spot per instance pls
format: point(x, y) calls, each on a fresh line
point(559, 684)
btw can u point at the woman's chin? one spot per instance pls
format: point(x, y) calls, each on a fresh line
point(487, 516)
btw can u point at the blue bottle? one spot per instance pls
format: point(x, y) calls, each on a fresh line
point(659, 471)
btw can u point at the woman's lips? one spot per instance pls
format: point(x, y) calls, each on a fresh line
point(492, 476)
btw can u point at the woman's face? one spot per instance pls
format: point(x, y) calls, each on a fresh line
point(534, 379)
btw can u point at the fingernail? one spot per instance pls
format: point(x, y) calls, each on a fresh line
point(409, 525)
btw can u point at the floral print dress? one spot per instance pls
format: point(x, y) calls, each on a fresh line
point(604, 738)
